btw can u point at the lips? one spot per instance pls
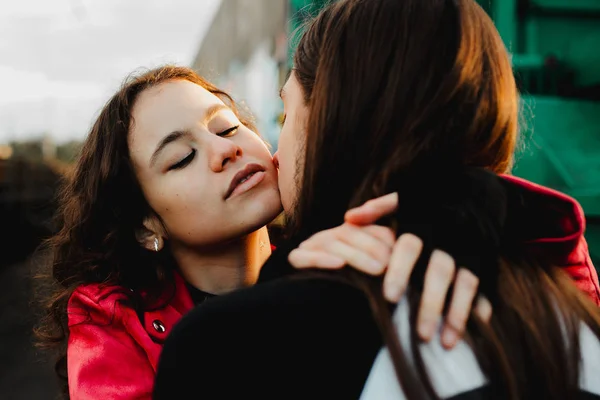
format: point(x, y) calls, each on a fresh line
point(243, 176)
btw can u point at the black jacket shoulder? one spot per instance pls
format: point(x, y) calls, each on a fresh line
point(289, 338)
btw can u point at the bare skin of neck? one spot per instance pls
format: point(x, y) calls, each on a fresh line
point(227, 267)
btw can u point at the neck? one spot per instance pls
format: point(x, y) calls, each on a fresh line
point(224, 267)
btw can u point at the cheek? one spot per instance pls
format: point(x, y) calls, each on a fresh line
point(252, 145)
point(256, 149)
point(180, 195)
point(170, 203)
point(187, 210)
point(288, 153)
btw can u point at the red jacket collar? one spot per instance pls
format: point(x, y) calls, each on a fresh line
point(175, 294)
point(549, 208)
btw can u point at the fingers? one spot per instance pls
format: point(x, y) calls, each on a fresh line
point(373, 210)
point(360, 259)
point(465, 289)
point(404, 256)
point(438, 277)
point(364, 248)
point(371, 249)
point(314, 259)
point(367, 249)
point(381, 233)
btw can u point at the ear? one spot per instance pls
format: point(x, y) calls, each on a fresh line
point(151, 235)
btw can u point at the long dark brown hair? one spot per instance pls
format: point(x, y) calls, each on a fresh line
point(398, 86)
point(101, 208)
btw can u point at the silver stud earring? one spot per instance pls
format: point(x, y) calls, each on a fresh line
point(156, 244)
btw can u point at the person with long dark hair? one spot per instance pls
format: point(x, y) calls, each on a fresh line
point(415, 97)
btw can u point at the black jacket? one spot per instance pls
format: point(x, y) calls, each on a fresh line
point(301, 339)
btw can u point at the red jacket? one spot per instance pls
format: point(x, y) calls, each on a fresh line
point(112, 355)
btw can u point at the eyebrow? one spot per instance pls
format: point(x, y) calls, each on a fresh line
point(170, 138)
point(212, 111)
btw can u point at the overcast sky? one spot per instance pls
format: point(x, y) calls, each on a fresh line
point(60, 60)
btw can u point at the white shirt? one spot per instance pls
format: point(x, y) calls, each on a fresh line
point(456, 371)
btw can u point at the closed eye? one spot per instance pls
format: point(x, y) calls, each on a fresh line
point(183, 163)
point(229, 132)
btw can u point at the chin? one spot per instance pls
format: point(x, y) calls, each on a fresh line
point(271, 205)
point(254, 215)
point(263, 208)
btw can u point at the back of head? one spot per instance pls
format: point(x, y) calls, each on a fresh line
point(391, 84)
point(402, 89)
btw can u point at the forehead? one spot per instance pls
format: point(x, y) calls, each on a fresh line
point(173, 98)
point(169, 106)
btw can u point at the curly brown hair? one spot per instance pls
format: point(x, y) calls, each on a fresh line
point(101, 206)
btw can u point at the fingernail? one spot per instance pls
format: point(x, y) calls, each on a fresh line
point(426, 329)
point(449, 338)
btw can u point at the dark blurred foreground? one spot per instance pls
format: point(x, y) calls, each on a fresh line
point(27, 191)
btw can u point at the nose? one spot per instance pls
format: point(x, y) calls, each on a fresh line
point(223, 151)
point(276, 159)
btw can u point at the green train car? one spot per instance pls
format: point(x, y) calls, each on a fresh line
point(555, 50)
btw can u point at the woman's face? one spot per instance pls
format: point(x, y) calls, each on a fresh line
point(290, 153)
point(208, 178)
